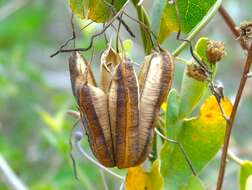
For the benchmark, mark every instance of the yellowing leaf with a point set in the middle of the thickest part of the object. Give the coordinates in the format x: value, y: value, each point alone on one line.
x: 201, y: 138
x: 138, y: 179
x: 210, y: 112
x: 78, y: 7
x: 246, y: 175
x: 95, y: 10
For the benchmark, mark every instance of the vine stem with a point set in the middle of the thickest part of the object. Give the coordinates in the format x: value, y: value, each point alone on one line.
x: 232, y: 26
x: 230, y: 122
x: 234, y: 158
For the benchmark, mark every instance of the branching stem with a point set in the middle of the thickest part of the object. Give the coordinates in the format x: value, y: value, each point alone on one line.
x: 232, y: 118
x: 232, y: 26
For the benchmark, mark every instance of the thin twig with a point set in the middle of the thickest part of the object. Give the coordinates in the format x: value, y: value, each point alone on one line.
x: 113, y: 10
x: 229, y: 21
x: 84, y: 154
x: 104, y: 180
x: 11, y: 180
x: 94, y: 36
x: 232, y: 26
x: 122, y: 185
x: 69, y: 40
x: 234, y: 158
x: 232, y: 119
x: 77, y: 143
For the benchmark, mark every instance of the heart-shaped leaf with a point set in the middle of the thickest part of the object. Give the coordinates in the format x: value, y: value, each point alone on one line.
x: 201, y: 137
x: 191, y: 12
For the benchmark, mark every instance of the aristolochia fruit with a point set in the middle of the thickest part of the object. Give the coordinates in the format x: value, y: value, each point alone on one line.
x: 121, y: 114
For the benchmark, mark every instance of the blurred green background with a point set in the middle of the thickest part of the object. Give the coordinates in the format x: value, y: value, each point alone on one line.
x: 35, y: 93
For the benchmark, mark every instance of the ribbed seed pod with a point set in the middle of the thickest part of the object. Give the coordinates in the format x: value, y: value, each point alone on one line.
x: 80, y: 73
x: 124, y: 114
x: 109, y: 61
x: 155, y: 83
x: 93, y: 103
x: 120, y: 118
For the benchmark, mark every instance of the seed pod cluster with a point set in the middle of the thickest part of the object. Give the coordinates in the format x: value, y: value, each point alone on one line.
x: 121, y: 113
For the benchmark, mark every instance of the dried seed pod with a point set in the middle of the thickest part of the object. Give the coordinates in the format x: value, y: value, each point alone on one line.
x: 155, y: 80
x: 109, y: 61
x: 80, y: 73
x: 215, y: 51
x: 124, y: 114
x: 196, y: 72
x: 93, y: 104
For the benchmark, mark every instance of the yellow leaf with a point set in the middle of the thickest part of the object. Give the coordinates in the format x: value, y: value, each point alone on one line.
x: 138, y: 179
x: 164, y: 106
x: 210, y: 112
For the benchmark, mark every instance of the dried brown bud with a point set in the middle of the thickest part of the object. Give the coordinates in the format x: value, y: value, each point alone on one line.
x: 245, y: 30
x: 196, y: 72
x: 215, y: 51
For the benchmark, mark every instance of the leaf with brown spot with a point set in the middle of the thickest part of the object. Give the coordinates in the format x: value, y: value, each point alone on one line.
x: 201, y: 137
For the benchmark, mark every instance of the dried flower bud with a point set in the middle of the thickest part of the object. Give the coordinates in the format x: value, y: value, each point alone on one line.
x: 196, y: 72
x: 245, y: 30
x: 215, y: 51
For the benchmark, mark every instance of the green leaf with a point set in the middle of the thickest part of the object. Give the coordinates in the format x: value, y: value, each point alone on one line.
x: 201, y: 137
x: 156, y: 16
x: 194, y: 183
x: 193, y: 90
x: 191, y: 12
x: 95, y: 10
x: 173, y: 124
x: 246, y: 175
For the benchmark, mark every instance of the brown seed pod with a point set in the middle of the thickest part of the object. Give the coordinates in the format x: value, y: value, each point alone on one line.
x: 124, y: 114
x: 196, y: 72
x: 155, y: 79
x: 120, y: 118
x: 80, y: 72
x: 93, y: 104
x: 109, y: 61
